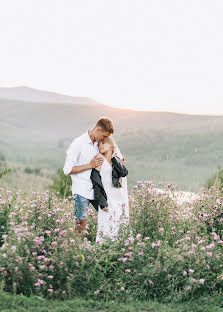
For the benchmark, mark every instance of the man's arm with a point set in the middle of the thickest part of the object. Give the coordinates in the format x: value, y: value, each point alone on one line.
x: 95, y: 162
x: 73, y: 153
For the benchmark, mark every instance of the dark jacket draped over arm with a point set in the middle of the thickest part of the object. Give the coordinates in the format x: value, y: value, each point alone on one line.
x: 99, y: 192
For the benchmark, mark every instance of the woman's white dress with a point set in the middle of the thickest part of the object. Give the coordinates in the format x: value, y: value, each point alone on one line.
x: 118, y: 209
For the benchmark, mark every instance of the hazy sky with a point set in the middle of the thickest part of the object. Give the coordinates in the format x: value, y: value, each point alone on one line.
x: 142, y: 54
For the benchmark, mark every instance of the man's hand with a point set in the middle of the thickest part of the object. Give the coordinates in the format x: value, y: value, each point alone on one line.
x: 96, y: 161
x: 123, y: 162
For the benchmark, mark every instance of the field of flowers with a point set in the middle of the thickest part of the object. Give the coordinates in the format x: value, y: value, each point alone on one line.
x: 169, y: 252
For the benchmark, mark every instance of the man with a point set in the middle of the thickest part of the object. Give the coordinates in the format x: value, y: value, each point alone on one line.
x: 82, y: 156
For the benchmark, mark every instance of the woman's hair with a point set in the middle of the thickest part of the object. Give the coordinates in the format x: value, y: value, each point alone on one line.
x: 111, y: 141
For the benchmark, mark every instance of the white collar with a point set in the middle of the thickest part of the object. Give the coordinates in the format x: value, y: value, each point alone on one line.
x: 89, y: 139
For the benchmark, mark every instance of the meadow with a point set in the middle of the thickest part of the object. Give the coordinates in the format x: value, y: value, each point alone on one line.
x: 169, y: 254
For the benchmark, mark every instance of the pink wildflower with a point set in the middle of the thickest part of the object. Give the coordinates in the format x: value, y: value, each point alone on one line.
x: 13, y: 248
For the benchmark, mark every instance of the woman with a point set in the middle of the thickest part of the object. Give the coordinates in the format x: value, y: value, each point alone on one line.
x: 110, y: 190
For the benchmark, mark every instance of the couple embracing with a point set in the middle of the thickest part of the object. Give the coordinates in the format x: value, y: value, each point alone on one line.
x: 98, y: 174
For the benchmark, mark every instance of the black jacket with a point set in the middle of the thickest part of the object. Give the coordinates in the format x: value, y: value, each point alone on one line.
x: 100, y: 196
x: 118, y: 171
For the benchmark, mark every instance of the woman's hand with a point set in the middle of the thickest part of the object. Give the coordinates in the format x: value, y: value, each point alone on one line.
x: 105, y: 208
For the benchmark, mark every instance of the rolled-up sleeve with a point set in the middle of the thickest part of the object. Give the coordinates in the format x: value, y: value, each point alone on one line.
x: 73, y: 153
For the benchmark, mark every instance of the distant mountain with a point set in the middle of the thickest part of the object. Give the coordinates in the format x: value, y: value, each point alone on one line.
x: 27, y: 94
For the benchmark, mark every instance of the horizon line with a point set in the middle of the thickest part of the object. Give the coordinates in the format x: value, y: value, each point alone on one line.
x: 118, y: 107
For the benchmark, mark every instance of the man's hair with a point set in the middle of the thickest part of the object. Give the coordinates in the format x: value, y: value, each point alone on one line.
x: 106, y: 124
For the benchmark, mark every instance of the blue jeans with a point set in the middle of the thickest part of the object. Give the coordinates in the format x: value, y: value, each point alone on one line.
x: 81, y: 205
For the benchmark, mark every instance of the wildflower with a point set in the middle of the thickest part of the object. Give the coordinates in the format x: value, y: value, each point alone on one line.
x: 96, y: 292
x: 127, y: 271
x: 201, y: 241
x: 13, y: 248
x: 138, y: 236
x: 42, y: 267
x: 201, y: 281
x: 122, y: 289
x: 131, y: 239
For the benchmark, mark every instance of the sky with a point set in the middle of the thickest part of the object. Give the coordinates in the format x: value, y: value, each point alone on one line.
x: 158, y: 55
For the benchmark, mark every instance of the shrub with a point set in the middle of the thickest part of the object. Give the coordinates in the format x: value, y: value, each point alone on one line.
x: 36, y: 171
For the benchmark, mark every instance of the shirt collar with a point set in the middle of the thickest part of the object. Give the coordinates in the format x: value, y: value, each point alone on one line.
x: 89, y: 139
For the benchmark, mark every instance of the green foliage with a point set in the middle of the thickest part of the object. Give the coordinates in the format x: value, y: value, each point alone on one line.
x: 20, y: 303
x: 216, y: 179
x: 2, y: 158
x: 36, y: 171
x: 61, y: 184
x: 3, y: 166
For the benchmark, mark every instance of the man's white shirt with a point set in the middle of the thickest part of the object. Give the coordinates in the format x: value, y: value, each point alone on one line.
x: 81, y: 152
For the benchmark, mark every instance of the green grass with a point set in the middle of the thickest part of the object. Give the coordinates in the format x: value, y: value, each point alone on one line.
x: 21, y: 303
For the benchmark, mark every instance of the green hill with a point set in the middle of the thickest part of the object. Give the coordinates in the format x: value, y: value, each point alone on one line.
x: 178, y: 148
